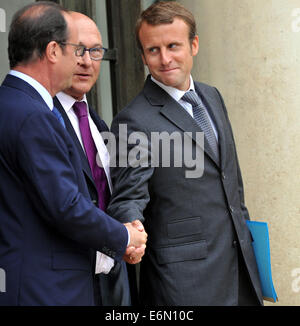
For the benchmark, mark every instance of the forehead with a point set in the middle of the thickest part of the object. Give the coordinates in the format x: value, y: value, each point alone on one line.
x: 178, y: 30
x: 88, y: 32
x: 72, y: 28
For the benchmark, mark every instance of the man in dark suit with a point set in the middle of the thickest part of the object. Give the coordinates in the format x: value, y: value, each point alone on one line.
x: 199, y: 250
x: 49, y: 228
x: 112, y: 277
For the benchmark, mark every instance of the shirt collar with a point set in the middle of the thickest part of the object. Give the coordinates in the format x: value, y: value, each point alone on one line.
x: 172, y: 91
x: 68, y: 101
x: 36, y: 85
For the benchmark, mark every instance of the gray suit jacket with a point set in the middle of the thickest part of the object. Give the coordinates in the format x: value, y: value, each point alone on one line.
x: 194, y: 224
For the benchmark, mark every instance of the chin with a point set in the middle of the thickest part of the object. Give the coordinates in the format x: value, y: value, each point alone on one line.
x: 81, y: 89
x: 170, y: 84
x: 78, y: 96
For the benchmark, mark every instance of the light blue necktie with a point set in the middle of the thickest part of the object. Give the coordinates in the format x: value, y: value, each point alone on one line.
x: 58, y: 116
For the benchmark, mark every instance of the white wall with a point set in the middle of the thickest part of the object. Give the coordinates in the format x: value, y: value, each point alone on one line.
x: 250, y: 50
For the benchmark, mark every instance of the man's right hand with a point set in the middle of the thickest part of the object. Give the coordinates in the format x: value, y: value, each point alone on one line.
x: 138, y: 237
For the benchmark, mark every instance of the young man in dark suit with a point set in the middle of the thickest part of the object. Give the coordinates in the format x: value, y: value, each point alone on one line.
x: 199, y: 250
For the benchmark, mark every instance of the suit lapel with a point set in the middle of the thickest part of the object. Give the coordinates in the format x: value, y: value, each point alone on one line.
x: 175, y: 113
x: 71, y: 131
x: 212, y: 104
x: 100, y: 124
x: 102, y: 127
x: 179, y: 117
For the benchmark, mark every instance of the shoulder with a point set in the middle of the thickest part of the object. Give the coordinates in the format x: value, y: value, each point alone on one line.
x: 19, y: 106
x: 205, y: 87
x: 137, y: 115
x: 147, y: 102
x: 208, y: 90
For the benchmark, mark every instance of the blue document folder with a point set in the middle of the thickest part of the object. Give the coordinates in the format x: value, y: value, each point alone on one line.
x: 261, y: 247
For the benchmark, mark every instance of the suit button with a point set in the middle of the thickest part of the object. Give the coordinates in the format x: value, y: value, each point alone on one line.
x: 231, y: 208
x: 223, y: 176
x: 234, y: 243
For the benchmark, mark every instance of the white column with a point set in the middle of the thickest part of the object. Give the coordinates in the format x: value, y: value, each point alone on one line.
x: 250, y: 50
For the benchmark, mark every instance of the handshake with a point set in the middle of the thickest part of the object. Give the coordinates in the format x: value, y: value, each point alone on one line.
x: 137, y: 245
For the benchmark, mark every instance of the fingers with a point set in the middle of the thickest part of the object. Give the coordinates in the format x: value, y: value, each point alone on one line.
x: 138, y: 224
x: 137, y: 245
x: 129, y: 250
x: 134, y: 255
x: 137, y: 238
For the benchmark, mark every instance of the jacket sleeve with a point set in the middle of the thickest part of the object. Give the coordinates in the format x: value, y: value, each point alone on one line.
x: 44, y: 158
x: 132, y: 171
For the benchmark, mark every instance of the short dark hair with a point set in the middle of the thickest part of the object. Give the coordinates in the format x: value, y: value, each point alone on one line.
x: 31, y: 30
x: 164, y: 12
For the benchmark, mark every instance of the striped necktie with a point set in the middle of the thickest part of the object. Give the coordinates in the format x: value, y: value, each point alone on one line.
x: 202, y: 119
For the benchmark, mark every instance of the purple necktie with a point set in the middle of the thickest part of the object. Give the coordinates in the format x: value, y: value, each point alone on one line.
x: 99, y: 176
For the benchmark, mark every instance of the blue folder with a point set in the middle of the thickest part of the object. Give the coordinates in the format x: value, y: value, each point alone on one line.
x: 261, y: 247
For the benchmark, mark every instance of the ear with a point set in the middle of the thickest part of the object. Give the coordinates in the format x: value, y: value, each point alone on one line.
x: 53, y: 51
x: 195, y: 45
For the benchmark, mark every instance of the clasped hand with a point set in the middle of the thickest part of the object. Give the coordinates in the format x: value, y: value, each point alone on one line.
x: 138, y: 238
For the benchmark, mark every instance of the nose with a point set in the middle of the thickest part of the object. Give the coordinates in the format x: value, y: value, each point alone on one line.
x: 165, y: 57
x: 86, y: 59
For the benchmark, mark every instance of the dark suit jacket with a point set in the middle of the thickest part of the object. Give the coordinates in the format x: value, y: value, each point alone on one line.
x: 49, y: 228
x: 114, y: 286
x: 194, y: 224
x: 101, y: 125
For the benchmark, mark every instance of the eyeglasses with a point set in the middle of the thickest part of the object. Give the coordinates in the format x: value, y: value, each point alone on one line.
x: 96, y: 53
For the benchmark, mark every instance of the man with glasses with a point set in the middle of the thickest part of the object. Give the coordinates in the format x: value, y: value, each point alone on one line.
x: 96, y: 53
x: 112, y: 277
x: 49, y: 228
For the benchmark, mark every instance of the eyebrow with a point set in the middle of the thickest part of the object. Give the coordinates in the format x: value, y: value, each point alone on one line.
x: 98, y: 45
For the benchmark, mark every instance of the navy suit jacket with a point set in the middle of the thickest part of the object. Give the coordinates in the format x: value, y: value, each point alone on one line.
x: 49, y: 228
x: 114, y: 286
x: 101, y: 126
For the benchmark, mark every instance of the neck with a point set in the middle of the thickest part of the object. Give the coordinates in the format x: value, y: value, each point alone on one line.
x: 39, y: 72
x: 75, y: 95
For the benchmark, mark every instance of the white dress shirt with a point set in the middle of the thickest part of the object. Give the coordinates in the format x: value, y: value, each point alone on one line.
x: 103, y: 263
